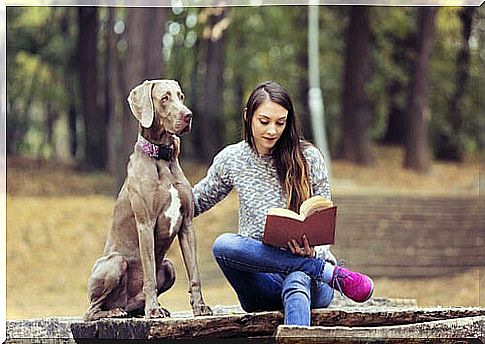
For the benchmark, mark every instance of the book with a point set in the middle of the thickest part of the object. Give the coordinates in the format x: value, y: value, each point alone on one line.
x: 316, y: 219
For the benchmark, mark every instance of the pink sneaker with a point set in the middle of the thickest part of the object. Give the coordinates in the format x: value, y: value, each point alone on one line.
x: 356, y: 286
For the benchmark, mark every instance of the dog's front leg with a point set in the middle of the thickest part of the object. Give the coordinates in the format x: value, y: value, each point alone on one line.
x: 188, y: 245
x: 145, y: 225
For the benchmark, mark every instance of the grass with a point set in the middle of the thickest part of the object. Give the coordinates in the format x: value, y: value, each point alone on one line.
x: 57, y: 221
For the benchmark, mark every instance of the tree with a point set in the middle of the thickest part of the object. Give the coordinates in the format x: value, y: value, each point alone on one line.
x: 144, y: 31
x: 69, y: 81
x: 213, y: 84
x: 417, y: 155
x: 450, y: 144
x: 355, y: 107
x: 94, y: 120
x: 401, y: 39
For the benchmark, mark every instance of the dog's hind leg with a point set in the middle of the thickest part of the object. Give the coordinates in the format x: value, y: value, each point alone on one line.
x: 165, y: 276
x: 107, y: 288
x: 165, y: 281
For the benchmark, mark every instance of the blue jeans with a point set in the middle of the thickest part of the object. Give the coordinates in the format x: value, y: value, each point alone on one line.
x: 268, y: 278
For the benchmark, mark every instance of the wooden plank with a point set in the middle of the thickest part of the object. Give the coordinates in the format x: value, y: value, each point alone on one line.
x: 376, y: 316
x: 43, y: 328
x: 228, y: 321
x: 232, y: 321
x: 469, y: 327
x: 265, y: 323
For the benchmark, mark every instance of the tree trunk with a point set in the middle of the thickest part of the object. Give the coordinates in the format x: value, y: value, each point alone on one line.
x: 302, y: 57
x: 417, y: 154
x: 450, y: 146
x: 110, y: 98
x: 211, y: 126
x: 69, y: 83
x: 94, y: 121
x: 144, y: 60
x: 396, y: 88
x: 354, y: 142
x: 396, y: 122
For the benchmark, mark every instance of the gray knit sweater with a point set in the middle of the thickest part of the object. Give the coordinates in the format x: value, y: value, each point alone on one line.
x: 255, y: 180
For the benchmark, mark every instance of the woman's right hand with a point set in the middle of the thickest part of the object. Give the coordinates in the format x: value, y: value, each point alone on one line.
x: 306, y: 251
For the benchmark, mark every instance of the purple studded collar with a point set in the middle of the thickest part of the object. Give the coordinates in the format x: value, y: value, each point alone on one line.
x: 154, y: 150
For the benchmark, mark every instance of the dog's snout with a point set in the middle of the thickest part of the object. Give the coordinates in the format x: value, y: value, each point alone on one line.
x: 188, y: 116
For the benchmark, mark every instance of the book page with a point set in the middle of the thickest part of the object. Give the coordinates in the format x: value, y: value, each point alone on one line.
x: 313, y: 204
x: 285, y: 213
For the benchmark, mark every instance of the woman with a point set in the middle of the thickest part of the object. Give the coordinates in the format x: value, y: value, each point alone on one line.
x: 273, y: 167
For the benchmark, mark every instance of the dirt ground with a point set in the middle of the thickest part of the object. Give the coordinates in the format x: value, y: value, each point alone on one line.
x: 57, y: 220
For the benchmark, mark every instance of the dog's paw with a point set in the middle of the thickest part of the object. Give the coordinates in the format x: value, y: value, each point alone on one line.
x: 201, y: 310
x: 117, y: 313
x: 158, y: 312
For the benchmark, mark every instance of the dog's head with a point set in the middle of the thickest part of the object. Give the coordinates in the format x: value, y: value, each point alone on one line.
x: 161, y: 102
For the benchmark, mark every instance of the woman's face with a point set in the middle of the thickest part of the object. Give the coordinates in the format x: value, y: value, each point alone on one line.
x: 268, y: 123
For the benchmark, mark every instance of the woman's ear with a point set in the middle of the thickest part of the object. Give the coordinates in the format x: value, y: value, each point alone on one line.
x: 245, y: 113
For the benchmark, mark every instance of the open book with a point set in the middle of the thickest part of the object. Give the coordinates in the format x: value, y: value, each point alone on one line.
x: 316, y: 220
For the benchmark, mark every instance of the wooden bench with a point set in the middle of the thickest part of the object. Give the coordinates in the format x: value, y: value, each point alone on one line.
x: 379, y: 318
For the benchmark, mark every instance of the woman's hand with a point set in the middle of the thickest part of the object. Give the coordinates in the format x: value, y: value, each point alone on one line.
x: 305, y: 251
x: 176, y: 146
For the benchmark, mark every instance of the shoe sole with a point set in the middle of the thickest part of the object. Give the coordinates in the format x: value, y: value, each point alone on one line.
x: 371, y: 291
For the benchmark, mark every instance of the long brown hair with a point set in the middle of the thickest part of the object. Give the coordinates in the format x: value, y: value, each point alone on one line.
x: 290, y: 163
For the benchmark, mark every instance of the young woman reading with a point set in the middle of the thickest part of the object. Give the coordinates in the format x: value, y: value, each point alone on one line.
x: 274, y: 167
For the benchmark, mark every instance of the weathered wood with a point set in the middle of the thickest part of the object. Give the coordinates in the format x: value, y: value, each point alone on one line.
x: 236, y: 325
x: 376, y: 316
x: 461, y: 328
x: 46, y: 328
x: 228, y: 321
x: 265, y: 323
x: 232, y: 321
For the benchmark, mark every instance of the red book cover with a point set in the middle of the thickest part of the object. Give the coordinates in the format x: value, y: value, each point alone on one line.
x: 319, y: 228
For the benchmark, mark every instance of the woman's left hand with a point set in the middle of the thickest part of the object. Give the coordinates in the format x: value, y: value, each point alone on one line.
x: 305, y: 251
x: 176, y: 146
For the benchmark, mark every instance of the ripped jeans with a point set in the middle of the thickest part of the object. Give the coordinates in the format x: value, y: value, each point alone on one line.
x: 266, y: 278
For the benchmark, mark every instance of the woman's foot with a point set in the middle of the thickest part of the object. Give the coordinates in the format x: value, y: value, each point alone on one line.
x: 356, y: 286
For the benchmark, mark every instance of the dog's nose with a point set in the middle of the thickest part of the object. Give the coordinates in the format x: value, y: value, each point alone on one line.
x: 188, y: 116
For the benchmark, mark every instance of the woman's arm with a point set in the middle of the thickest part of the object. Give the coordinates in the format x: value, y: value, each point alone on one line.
x: 318, y: 173
x: 214, y: 187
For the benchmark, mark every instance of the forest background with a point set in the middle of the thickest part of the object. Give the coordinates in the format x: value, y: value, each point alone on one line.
x: 400, y: 88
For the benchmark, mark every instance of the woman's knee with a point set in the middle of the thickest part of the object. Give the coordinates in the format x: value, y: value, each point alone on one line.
x: 296, y: 283
x: 223, y: 244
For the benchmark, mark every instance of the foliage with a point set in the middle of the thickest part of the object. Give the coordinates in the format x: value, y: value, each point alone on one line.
x: 265, y: 42
x: 38, y: 54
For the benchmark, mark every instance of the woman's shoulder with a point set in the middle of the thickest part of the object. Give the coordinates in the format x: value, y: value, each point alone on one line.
x: 238, y: 147
x: 231, y: 151
x: 311, y: 152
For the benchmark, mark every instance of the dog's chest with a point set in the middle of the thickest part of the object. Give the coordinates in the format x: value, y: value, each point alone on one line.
x: 176, y: 199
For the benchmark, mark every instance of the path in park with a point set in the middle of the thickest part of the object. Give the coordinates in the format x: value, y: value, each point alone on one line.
x: 410, y: 236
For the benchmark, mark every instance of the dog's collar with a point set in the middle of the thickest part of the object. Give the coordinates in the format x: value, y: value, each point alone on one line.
x: 154, y: 150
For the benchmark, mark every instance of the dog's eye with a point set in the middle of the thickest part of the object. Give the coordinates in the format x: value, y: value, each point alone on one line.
x: 165, y: 98
x: 182, y: 97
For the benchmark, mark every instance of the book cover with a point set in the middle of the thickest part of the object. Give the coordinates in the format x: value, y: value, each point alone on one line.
x: 316, y: 220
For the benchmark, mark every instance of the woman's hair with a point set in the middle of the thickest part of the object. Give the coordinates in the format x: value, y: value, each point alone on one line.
x: 290, y: 163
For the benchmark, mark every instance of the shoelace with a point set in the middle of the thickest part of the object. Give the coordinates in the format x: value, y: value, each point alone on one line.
x: 339, y: 274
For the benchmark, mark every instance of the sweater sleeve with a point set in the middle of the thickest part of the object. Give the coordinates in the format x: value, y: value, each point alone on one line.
x: 318, y: 173
x: 215, y: 186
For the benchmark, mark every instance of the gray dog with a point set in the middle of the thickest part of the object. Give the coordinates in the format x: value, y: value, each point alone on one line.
x: 154, y: 206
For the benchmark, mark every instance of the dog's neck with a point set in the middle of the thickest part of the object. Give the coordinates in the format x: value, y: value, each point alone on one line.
x: 157, y: 144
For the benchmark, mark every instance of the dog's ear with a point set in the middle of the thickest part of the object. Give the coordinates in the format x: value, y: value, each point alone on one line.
x: 141, y: 103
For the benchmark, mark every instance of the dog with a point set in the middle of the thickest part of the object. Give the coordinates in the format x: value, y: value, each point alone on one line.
x: 154, y: 206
